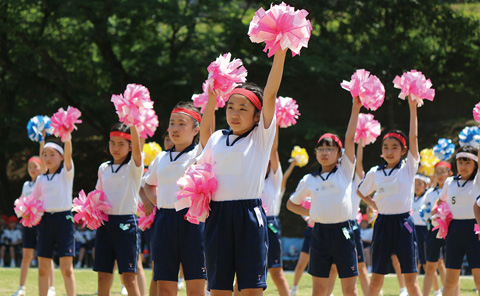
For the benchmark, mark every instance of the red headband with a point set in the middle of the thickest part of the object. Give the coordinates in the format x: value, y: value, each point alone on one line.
x: 35, y: 159
x: 193, y: 114
x: 444, y: 164
x: 396, y: 136
x: 333, y: 137
x: 121, y: 134
x: 250, y: 95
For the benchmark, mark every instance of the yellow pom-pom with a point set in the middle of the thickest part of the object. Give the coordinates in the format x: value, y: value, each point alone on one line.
x: 300, y: 155
x: 151, y: 151
x: 428, y: 162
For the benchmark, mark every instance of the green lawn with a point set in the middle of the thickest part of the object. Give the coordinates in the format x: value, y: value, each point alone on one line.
x: 87, y: 283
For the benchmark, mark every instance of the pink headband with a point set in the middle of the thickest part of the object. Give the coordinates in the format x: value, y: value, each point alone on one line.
x: 121, y: 134
x: 398, y: 137
x: 444, y: 164
x: 35, y: 159
x: 250, y: 95
x: 333, y: 137
x: 191, y: 113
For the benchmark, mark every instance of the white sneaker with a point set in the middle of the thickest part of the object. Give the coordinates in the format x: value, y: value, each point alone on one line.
x: 293, y: 291
x: 207, y: 293
x: 51, y: 291
x: 2, y: 264
x: 12, y: 263
x: 124, y: 290
x: 78, y: 265
x: 181, y: 285
x: 403, y: 292
x: 437, y: 293
x: 20, y: 292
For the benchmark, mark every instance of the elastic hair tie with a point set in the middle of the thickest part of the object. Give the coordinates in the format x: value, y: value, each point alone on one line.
x: 35, y: 159
x: 466, y: 155
x: 250, y: 95
x: 443, y: 164
x: 396, y: 136
x: 193, y: 114
x: 333, y: 137
x: 54, y: 146
x: 121, y: 134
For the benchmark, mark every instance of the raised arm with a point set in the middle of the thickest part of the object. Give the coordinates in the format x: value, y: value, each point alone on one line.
x: 274, y: 159
x: 136, y: 146
x: 67, y: 156
x: 287, y: 173
x: 271, y: 89
x: 359, y: 164
x: 413, y: 133
x: 352, y: 126
x: 207, y: 126
x: 43, y: 168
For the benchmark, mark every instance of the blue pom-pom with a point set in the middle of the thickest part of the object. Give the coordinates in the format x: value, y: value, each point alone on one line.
x: 470, y: 135
x: 444, y: 149
x: 36, y: 125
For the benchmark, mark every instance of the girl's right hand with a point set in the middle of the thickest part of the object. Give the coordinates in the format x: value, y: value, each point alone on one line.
x: 373, y: 205
x: 148, y: 206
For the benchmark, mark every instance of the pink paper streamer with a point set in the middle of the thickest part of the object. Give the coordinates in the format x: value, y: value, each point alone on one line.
x: 30, y: 208
x: 368, y: 129
x: 441, y: 220
x: 415, y: 85
x: 280, y: 27
x: 63, y: 122
x: 286, y: 110
x: 145, y: 221
x: 368, y: 87
x: 224, y: 75
x: 147, y: 123
x: 91, y: 209
x: 476, y: 112
x: 198, y: 187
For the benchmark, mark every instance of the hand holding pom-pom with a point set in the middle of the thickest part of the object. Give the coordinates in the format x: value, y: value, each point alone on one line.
x: 286, y: 111
x: 151, y: 151
x: 368, y: 129
x: 367, y: 87
x: 224, y: 75
x: 30, y: 208
x: 63, y: 122
x: 37, y: 126
x: 201, y: 100
x: 441, y: 220
x: 444, y: 149
x: 145, y: 221
x: 415, y: 85
x: 280, y: 27
x: 300, y: 155
x: 91, y: 209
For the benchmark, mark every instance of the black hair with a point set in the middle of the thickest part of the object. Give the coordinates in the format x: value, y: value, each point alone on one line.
x: 120, y: 127
x: 327, y: 141
x: 471, y: 150
x: 257, y: 90
x: 191, y: 107
x: 398, y: 132
x: 58, y: 142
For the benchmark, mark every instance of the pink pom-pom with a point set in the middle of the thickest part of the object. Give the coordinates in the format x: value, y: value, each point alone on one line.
x: 476, y: 112
x: 224, y: 75
x: 30, y: 208
x: 129, y: 106
x: 368, y: 129
x: 63, y: 122
x: 286, y: 111
x: 476, y: 228
x: 201, y: 100
x: 198, y: 187
x: 307, y: 203
x: 280, y: 27
x: 145, y: 221
x: 359, y: 216
x: 368, y: 87
x: 91, y: 209
x: 441, y: 220
x: 147, y: 123
x: 415, y: 85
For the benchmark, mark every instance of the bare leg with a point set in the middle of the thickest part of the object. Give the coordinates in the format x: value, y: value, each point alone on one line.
x: 66, y: 267
x: 195, y: 287
x: 411, y: 282
x: 166, y: 288
x: 105, y: 281
x: 363, y: 277
x: 451, y: 281
x: 130, y: 282
x: 430, y: 275
x: 141, y: 282
x: 376, y: 284
x: 26, y: 259
x: 302, y: 263
x: 349, y: 286
x: 278, y: 277
x: 44, y: 270
x: 398, y: 271
x: 331, y: 279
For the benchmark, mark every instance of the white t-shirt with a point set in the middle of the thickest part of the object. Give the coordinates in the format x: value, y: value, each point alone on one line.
x: 366, y: 234
x: 330, y: 192
x: 121, y: 184
x: 56, y: 190
x: 166, y: 169
x: 240, y: 167
x: 11, y: 236
x: 355, y: 198
x: 431, y: 197
x: 461, y: 196
x: 394, y: 188
x: 272, y: 195
x: 27, y: 188
x: 418, y: 202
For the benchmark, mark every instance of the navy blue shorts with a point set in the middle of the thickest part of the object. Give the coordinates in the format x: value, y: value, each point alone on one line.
x: 55, y: 232
x: 306, y: 240
x: 421, y: 232
x: 236, y: 242
x: 274, y: 242
x: 394, y: 234
x: 333, y: 244
x: 117, y: 239
x: 152, y: 232
x: 460, y: 241
x: 434, y: 245
x: 175, y: 241
x: 29, y: 237
x: 358, y: 241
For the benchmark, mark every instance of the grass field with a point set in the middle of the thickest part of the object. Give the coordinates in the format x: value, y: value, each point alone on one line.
x: 87, y: 283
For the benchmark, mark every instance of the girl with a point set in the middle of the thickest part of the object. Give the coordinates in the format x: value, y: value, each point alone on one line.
x: 174, y: 239
x: 117, y: 238
x: 56, y: 230
x: 394, y: 230
x: 236, y: 237
x: 29, y: 234
x: 460, y: 192
x: 434, y: 244
x: 421, y: 185
x: 332, y: 240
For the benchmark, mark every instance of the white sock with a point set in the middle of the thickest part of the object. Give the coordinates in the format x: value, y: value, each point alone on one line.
x: 294, y: 288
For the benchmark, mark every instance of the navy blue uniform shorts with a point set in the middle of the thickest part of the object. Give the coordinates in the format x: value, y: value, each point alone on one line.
x: 358, y: 241
x: 274, y: 242
x: 236, y: 242
x: 55, y: 232
x: 333, y: 244
x: 434, y: 245
x: 29, y: 237
x: 394, y: 234
x: 117, y: 239
x: 306, y: 241
x: 461, y: 240
x: 421, y: 232
x: 175, y: 241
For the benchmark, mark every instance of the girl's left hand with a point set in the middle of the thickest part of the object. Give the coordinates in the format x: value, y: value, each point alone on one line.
x: 412, y: 103
x: 357, y: 102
